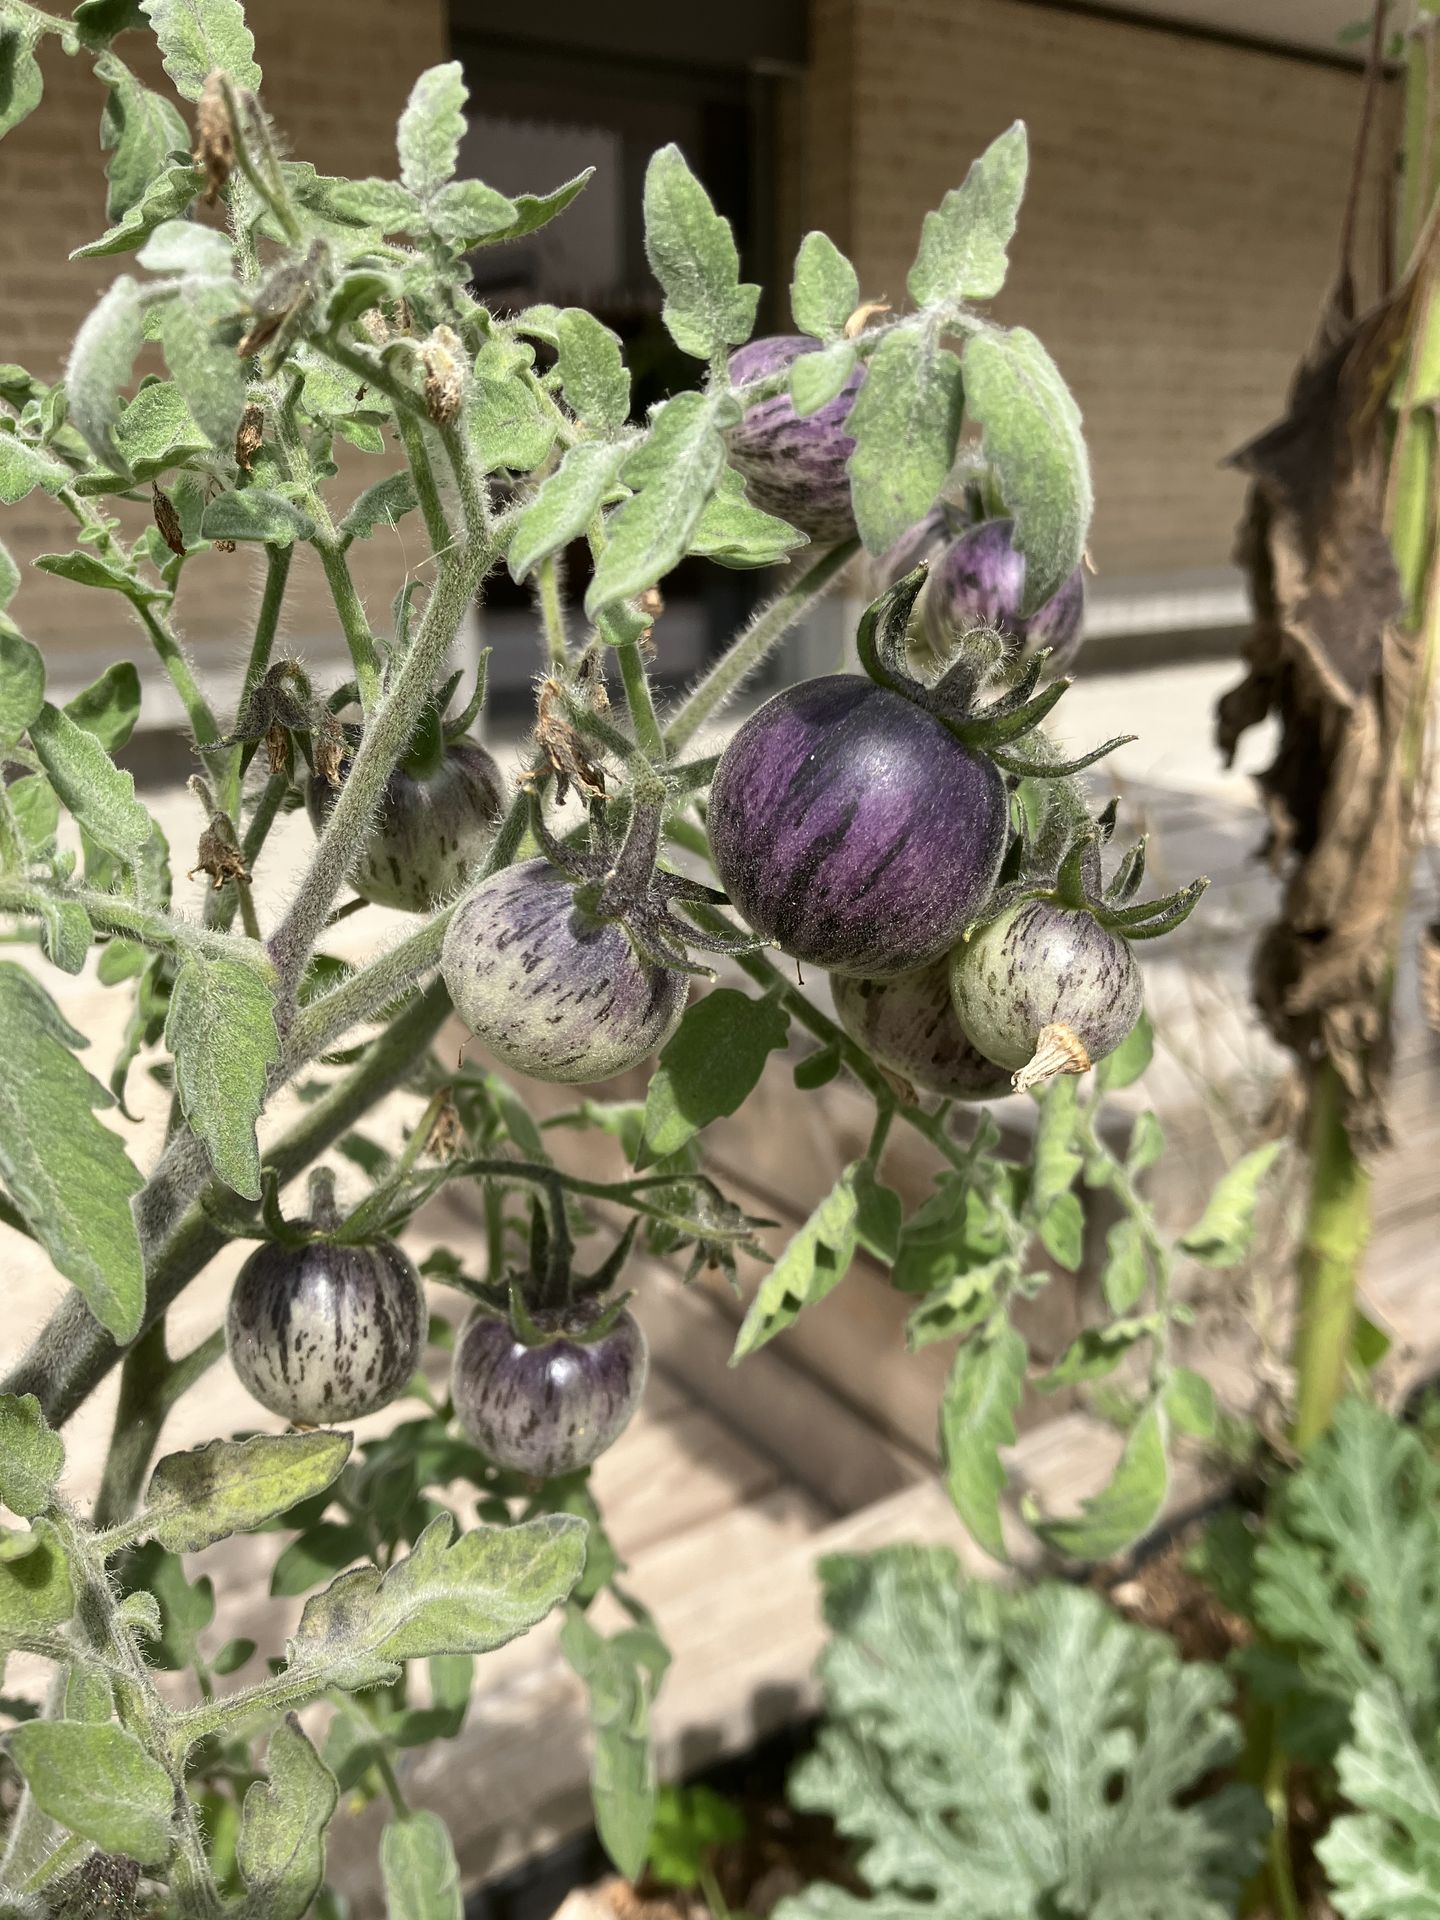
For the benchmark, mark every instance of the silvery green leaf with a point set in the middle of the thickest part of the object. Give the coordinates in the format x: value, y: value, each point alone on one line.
x: 963, y: 245
x: 709, y: 1067
x: 1125, y: 1510
x: 1382, y: 1855
x: 383, y: 205
x: 97, y: 793
x: 101, y: 362
x: 22, y: 686
x: 234, y: 1486
x: 9, y: 578
x: 462, y: 1597
x: 85, y: 569
x: 1223, y: 1234
x: 567, y: 501
x: 536, y: 210
x: 207, y: 369
x: 66, y: 934
x: 1190, y: 1403
x: 812, y: 1265
x: 467, y: 212
x: 69, y: 1175
x: 31, y: 1456
x: 221, y: 1031
x: 21, y: 84
x: 431, y: 129
x: 166, y: 198
x: 1031, y: 424
x: 197, y: 37
x: 280, y: 1850
x: 622, y: 1674
x: 380, y: 505
x: 734, y: 533
x: 109, y: 706
x: 825, y: 290
x: 140, y: 130
x: 673, y: 473
x: 37, y: 1593
x: 692, y: 254
x: 23, y: 467
x: 506, y: 422
x: 157, y: 430
x: 816, y: 378
x: 977, y: 1417
x: 253, y: 513
x: 184, y: 246
x: 1127, y: 1266
x: 592, y: 372
x: 905, y: 421
x: 99, y: 1782
x: 419, y: 1869
x: 1096, y: 1352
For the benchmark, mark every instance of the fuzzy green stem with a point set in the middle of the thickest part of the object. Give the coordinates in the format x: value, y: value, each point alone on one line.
x: 364, y: 654
x: 640, y: 701
x: 552, y: 612
x: 432, y: 509
x: 1337, y: 1228
x: 763, y: 635
x: 267, y: 625
x: 112, y: 914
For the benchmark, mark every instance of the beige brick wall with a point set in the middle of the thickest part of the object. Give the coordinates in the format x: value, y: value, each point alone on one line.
x: 1178, y: 235
x: 337, y: 73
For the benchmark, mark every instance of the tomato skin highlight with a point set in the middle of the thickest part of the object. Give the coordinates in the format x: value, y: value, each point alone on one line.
x: 909, y: 1026
x: 548, y: 989
x: 322, y: 1332
x: 853, y: 830
x: 793, y: 467
x: 549, y: 1409
x: 1042, y: 965
x: 431, y: 834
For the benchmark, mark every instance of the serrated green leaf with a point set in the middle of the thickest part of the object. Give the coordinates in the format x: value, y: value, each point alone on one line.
x: 90, y: 785
x: 23, y: 467
x: 1128, y: 1507
x: 198, y: 36
x: 1383, y: 1854
x: 36, y: 1591
x: 963, y: 244
x: 1096, y: 1352
x: 83, y: 569
x: 88, y: 1696
x: 381, y: 505
x: 467, y: 213
x: 960, y: 1304
x: 141, y: 131
x: 592, y: 372
x: 166, y: 198
x: 622, y: 1675
x: 66, y: 934
x: 1031, y: 425
x: 825, y: 290
x: 431, y: 129
x: 977, y: 1418
x: 733, y: 533
x: 1147, y: 1144
x: 158, y: 430
x: 1003, y: 1755
x: 233, y: 1486
x: 101, y: 362
x: 1190, y: 1403
x: 183, y: 1609
x: 207, y: 369
x: 383, y: 205
x: 1056, y: 1160
x: 36, y: 810
x: 22, y: 87
x: 812, y: 1265
x: 99, y: 1782
x: 469, y: 1597
x: 1127, y: 1268
x: 536, y: 210
x: 505, y: 421
x: 905, y: 422
x: 255, y: 514
x: 692, y: 254
x: 1223, y: 1234
x: 109, y: 706
x: 1129, y: 1060
x: 673, y: 473
x: 70, y: 1176
x: 708, y: 1068
x: 419, y: 1869
x: 31, y: 1456
x: 1062, y: 1231
x: 816, y: 378
x: 22, y: 687
x: 585, y: 480
x: 280, y: 1849
x: 221, y: 1030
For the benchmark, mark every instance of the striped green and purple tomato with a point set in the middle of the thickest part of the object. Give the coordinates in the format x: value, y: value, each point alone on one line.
x: 1039, y: 966
x: 550, y: 989
x: 322, y: 1332
x: 431, y: 832
x: 852, y: 829
x: 909, y: 1025
x: 553, y: 1406
x: 792, y: 466
x: 978, y: 579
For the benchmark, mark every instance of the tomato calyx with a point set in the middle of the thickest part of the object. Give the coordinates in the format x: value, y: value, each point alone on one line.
x: 993, y: 727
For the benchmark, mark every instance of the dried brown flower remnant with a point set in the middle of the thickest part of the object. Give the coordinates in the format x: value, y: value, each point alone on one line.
x: 562, y: 751
x: 331, y: 750
x: 218, y: 854
x: 444, y: 1138
x: 167, y: 520
x: 444, y: 360
x: 282, y: 300
x: 225, y: 546
x: 248, y: 436
x: 214, y: 138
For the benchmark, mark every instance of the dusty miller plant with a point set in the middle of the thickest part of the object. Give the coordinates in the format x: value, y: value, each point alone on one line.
x: 325, y: 309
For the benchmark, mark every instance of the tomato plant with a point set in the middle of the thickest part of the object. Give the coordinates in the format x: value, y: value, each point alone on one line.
x: 900, y: 826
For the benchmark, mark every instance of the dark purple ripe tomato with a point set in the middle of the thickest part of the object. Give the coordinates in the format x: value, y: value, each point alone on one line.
x: 851, y: 828
x: 548, y: 988
x: 795, y: 467
x: 431, y: 833
x: 978, y: 578
x: 548, y: 1409
x: 909, y: 1025
x: 322, y: 1332
x: 1043, y: 965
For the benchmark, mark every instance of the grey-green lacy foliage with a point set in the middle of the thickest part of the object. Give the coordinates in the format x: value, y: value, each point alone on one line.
x: 997, y: 1755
